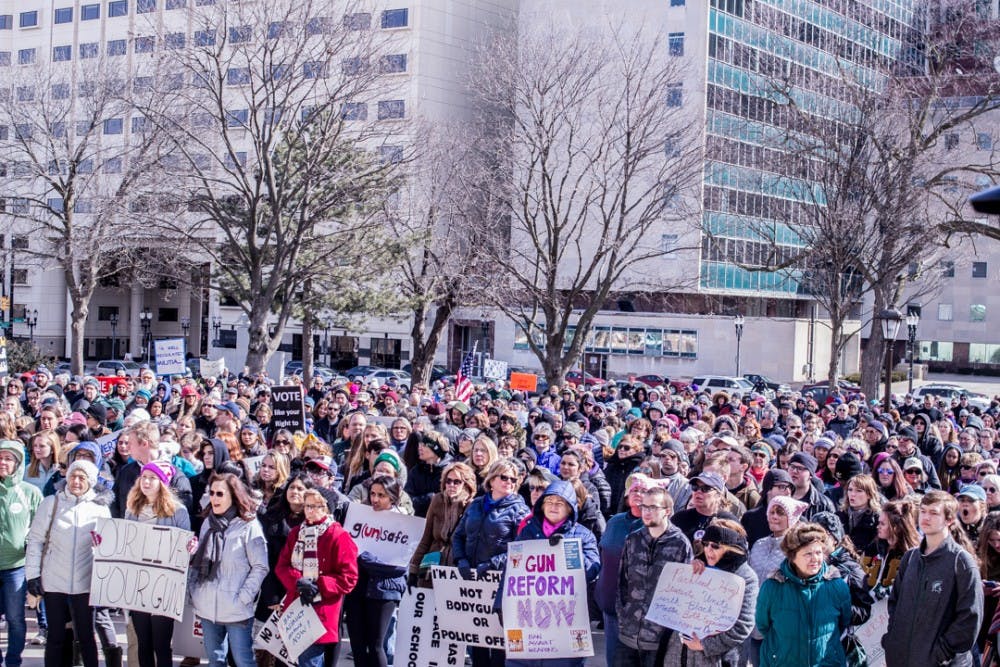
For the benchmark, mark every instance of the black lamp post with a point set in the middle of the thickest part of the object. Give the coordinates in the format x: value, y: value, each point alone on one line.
x: 146, y: 320
x: 891, y: 320
x: 186, y: 325
x: 912, y: 320
x: 114, y: 335
x: 31, y: 319
x: 738, y: 322
x: 216, y: 326
x: 327, y: 323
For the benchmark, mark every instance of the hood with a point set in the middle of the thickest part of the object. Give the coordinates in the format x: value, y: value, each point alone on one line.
x: 17, y: 449
x: 220, y: 452
x: 87, y: 446
x: 925, y: 419
x: 952, y: 445
x: 167, y: 393
x: 558, y: 488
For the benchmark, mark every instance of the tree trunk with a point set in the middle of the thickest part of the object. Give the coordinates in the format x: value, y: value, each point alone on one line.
x: 77, y: 326
x: 873, y: 356
x: 308, y: 349
x: 422, y: 357
x: 258, y: 348
x: 836, y: 346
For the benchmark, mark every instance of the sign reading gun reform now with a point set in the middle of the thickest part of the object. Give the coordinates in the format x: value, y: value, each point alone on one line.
x: 140, y: 567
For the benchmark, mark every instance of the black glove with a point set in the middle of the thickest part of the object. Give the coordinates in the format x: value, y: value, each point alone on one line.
x: 411, y: 581
x: 307, y: 590
x: 465, y: 570
x: 555, y: 539
x: 35, y: 587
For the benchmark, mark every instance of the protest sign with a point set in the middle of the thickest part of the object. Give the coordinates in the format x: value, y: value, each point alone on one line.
x: 465, y: 608
x: 108, y: 382
x: 252, y: 465
x: 108, y: 443
x: 3, y: 356
x: 299, y: 626
x: 141, y: 567
x: 870, y: 633
x: 494, y: 369
x: 418, y: 638
x: 208, y: 368
x: 523, y: 381
x: 287, y: 407
x: 545, y: 601
x: 170, y: 356
x: 188, y: 634
x: 268, y: 639
x: 391, y: 536
x: 702, y: 604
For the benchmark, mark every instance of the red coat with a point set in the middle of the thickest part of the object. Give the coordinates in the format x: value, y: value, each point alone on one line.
x: 338, y: 573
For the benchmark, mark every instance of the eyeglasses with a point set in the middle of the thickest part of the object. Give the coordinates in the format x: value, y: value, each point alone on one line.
x: 452, y: 482
x: 507, y: 478
x: 989, y: 489
x: 315, y: 507
x: 833, y: 456
x: 965, y: 467
x: 714, y: 546
x: 541, y: 437
x: 217, y: 494
x: 797, y: 467
x: 281, y: 441
x: 651, y: 508
x: 537, y: 489
x: 886, y: 471
x: 912, y: 472
x: 554, y: 502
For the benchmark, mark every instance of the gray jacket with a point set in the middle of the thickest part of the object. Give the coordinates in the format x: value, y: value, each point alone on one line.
x: 231, y: 596
x: 180, y: 519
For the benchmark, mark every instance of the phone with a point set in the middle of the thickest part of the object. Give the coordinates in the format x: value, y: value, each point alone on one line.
x: 990, y: 584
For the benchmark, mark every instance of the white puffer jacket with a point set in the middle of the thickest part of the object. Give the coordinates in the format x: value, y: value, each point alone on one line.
x: 69, y: 557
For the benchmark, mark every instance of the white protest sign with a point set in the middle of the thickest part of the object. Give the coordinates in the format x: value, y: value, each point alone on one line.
x: 299, y: 627
x: 140, y: 567
x: 269, y: 639
x: 465, y: 608
x: 252, y: 466
x: 545, y: 601
x: 170, y: 356
x: 391, y: 536
x: 188, y: 634
x: 870, y: 634
x: 3, y: 356
x: 208, y: 368
x: 494, y: 369
x: 418, y: 638
x: 702, y: 604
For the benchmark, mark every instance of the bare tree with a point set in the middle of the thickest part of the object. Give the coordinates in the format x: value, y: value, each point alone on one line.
x: 596, y: 173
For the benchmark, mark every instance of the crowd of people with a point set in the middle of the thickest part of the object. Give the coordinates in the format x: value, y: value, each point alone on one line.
x: 825, y: 511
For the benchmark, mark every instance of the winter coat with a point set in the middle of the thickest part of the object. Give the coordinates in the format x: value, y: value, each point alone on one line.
x: 854, y: 576
x: 338, y: 574
x: 935, y: 608
x: 597, y: 479
x: 437, y: 534
x: 802, y: 619
x: 930, y: 469
x: 589, y: 516
x: 229, y: 598
x: 755, y: 523
x: 480, y: 541
x: 617, y: 471
x: 18, y: 503
x: 276, y: 522
x: 612, y: 543
x: 380, y: 580
x: 865, y: 528
x: 929, y: 446
x: 66, y: 561
x: 423, y: 482
x: 766, y: 556
x: 641, y: 563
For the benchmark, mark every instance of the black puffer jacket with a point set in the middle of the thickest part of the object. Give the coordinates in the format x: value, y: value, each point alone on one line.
x: 423, y: 482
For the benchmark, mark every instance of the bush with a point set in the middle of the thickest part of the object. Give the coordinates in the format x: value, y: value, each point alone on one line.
x: 25, y: 356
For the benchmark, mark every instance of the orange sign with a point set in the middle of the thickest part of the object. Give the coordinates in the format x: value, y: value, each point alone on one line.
x: 524, y: 381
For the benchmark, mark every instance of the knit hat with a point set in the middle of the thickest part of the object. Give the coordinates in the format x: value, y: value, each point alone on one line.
x: 189, y: 390
x: 823, y: 442
x: 393, y: 460
x: 848, y: 466
x: 804, y: 459
x: 88, y: 469
x: 908, y: 432
x: 794, y: 509
x: 460, y: 406
x: 143, y: 393
x: 724, y: 536
x: 831, y: 523
x: 775, y: 476
x: 98, y: 412
x: 161, y: 469
x: 676, y: 447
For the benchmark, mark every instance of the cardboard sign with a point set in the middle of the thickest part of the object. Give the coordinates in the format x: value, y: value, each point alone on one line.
x: 545, y: 601
x: 208, y: 368
x: 252, y: 465
x: 109, y: 382
x: 268, y: 639
x: 870, y: 634
x: 703, y: 604
x: 523, y: 381
x: 169, y: 356
x: 418, y: 638
x: 108, y: 443
x: 391, y: 536
x: 141, y: 567
x: 494, y: 369
x: 299, y: 627
x: 288, y: 409
x: 189, y: 638
x: 465, y: 608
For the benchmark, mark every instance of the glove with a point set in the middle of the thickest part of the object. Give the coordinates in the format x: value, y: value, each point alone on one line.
x: 555, y: 539
x: 465, y: 570
x: 35, y: 587
x: 411, y: 582
x: 307, y: 590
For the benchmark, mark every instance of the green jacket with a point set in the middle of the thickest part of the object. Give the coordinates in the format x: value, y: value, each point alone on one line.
x: 18, y: 502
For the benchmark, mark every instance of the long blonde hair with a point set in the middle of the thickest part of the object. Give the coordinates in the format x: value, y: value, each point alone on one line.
x: 166, y: 502
x: 54, y: 445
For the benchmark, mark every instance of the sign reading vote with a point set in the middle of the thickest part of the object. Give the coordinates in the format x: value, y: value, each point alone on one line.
x: 465, y: 608
x: 702, y: 604
x: 170, y: 356
x: 545, y: 601
x: 391, y: 536
x: 288, y: 409
x: 140, y: 567
x: 418, y: 637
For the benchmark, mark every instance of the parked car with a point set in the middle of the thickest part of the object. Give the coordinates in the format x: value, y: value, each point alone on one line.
x: 652, y: 380
x: 112, y: 366
x: 729, y: 383
x: 359, y: 372
x: 322, y: 370
x: 949, y: 392
x: 761, y: 382
x: 437, y: 371
x: 383, y: 375
x: 587, y: 379
x: 63, y: 367
x: 843, y: 384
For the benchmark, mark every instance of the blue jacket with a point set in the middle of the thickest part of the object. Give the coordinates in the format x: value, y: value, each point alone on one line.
x: 381, y: 581
x: 480, y: 540
x: 612, y: 544
x: 802, y: 619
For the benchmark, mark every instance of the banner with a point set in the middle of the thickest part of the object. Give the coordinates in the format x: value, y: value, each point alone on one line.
x: 523, y: 381
x: 418, y: 638
x: 494, y: 369
x: 140, y: 567
x: 208, y: 368
x: 870, y: 633
x: 702, y: 604
x: 299, y: 627
x: 391, y: 536
x: 108, y: 382
x: 545, y: 601
x: 170, y: 356
x: 465, y: 608
x: 288, y: 409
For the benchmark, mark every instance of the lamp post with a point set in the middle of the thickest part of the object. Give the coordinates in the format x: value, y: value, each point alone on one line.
x: 327, y: 323
x: 912, y: 320
x: 114, y: 335
x: 146, y: 320
x: 738, y: 322
x: 891, y: 320
x: 216, y: 325
x: 186, y: 325
x: 31, y: 319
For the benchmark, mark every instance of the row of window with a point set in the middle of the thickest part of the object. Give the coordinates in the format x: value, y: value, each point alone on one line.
x: 681, y: 343
x: 977, y: 312
x: 390, y: 18
x: 979, y: 353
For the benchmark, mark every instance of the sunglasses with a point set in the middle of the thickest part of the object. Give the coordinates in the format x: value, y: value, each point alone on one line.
x: 282, y: 441
x: 453, y: 482
x: 885, y: 471
x: 507, y: 478
x: 964, y: 467
x: 714, y: 546
x: 989, y: 489
x: 538, y: 489
x: 217, y: 494
x: 701, y: 488
x: 913, y: 472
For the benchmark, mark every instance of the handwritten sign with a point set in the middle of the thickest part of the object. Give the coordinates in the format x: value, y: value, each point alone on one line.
x: 208, y: 368
x: 268, y: 639
x: 870, y: 634
x: 299, y: 627
x: 140, y: 567
x: 545, y: 601
x: 523, y: 381
x: 391, y: 536
x: 702, y: 604
x: 252, y: 465
x: 419, y: 642
x: 494, y: 369
x: 170, y: 356
x: 287, y: 408
x: 465, y: 608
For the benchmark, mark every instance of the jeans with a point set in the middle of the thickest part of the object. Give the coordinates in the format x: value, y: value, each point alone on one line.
x: 14, y: 598
x: 610, y: 637
x: 318, y: 655
x: 64, y: 608
x: 219, y: 637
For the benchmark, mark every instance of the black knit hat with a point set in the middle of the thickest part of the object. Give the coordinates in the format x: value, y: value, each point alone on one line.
x: 831, y: 523
x: 724, y: 536
x: 848, y: 466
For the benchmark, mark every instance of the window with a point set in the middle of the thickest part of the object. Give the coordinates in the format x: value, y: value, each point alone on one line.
x: 352, y: 66
x: 947, y: 269
x: 278, y: 29
x: 104, y: 313
x: 112, y: 165
x: 29, y: 19
x: 238, y: 76
x: 944, y: 312
x: 393, y: 63
x: 145, y: 44
x: 240, y: 34
x: 675, y: 94
x: 936, y: 350
x: 55, y: 204
x: 113, y: 126
x: 89, y: 50
x: 26, y: 57
x: 62, y: 53
x: 315, y: 69
x: 6, y: 21
x: 64, y: 15
x: 85, y: 166
x: 395, y: 18
x: 675, y: 43
x: 240, y: 160
x: 117, y: 47
x: 358, y: 21
x: 139, y: 124
x: 25, y: 93
x: 237, y: 117
x: 390, y: 154
x: 83, y: 127
x: 319, y: 25
x: 174, y: 40
x: 951, y: 141
x: 979, y: 269
x: 390, y: 109
x: 142, y: 83
x: 117, y: 8
x: 4, y: 58
x: 977, y: 312
x: 19, y: 276
x: 145, y: 6
x: 676, y: 3
x: 83, y: 206
x: 204, y: 38
x: 60, y: 91
x: 166, y: 314
x: 354, y: 111
x: 278, y: 72
x: 176, y: 4
x: 984, y: 141
x: 20, y: 206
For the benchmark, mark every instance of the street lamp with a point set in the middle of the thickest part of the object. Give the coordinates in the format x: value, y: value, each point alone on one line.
x: 327, y: 323
x: 891, y: 320
x: 31, y: 319
x: 186, y: 325
x: 216, y: 325
x: 738, y: 323
x: 912, y: 320
x: 114, y: 335
x: 146, y: 320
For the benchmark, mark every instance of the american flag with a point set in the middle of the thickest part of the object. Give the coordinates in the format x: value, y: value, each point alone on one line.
x: 463, y: 385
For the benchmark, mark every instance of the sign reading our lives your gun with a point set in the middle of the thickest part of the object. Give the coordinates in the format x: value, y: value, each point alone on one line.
x: 140, y: 567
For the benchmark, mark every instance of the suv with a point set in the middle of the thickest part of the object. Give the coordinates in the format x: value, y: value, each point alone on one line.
x: 950, y: 392
x: 112, y: 366
x: 762, y: 382
x: 726, y: 382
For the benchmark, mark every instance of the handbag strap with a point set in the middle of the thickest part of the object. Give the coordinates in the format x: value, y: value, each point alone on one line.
x: 48, y: 532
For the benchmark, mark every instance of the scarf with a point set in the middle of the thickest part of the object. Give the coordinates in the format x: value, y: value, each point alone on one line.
x: 305, y: 557
x: 208, y: 557
x: 549, y: 528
